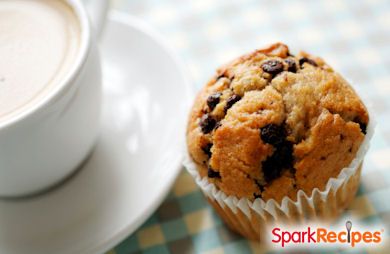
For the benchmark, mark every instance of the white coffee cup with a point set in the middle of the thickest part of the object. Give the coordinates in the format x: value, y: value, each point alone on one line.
x: 47, y: 141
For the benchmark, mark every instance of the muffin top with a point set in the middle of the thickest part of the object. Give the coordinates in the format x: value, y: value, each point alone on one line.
x: 271, y: 123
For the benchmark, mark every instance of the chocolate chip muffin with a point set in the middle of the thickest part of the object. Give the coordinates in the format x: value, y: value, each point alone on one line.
x: 271, y: 123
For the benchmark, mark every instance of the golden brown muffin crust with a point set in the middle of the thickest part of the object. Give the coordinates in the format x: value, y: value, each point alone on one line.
x: 270, y: 123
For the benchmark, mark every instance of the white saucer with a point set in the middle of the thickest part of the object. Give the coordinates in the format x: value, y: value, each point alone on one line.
x: 134, y: 164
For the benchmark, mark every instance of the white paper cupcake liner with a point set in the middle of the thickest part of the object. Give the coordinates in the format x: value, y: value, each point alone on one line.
x: 248, y: 217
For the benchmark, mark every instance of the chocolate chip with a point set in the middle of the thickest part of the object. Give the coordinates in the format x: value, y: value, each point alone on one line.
x: 272, y: 67
x: 207, y: 123
x: 271, y: 169
x: 212, y: 173
x: 363, y: 127
x: 231, y: 100
x: 207, y: 149
x: 307, y: 60
x: 285, y: 154
x: 292, y: 66
x: 213, y: 100
x: 273, y: 134
x: 282, y: 158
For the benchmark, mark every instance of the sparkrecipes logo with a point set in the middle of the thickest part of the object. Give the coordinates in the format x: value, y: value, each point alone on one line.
x: 322, y: 236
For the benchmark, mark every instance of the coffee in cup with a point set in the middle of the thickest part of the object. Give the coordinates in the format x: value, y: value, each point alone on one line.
x: 39, y: 43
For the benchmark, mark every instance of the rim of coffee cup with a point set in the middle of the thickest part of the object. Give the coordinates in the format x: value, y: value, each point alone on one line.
x: 60, y: 89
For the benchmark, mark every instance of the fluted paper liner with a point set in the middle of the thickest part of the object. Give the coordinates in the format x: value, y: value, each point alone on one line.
x: 249, y: 218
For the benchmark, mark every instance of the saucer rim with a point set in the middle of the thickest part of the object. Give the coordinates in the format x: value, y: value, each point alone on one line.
x: 135, y: 23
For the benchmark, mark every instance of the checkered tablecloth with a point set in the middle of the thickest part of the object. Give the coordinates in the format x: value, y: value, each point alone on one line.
x: 353, y: 36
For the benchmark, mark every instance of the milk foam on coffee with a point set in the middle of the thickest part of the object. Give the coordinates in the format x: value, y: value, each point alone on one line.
x: 39, y: 43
